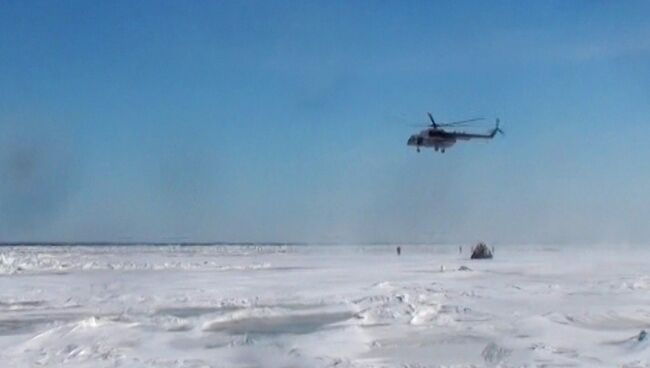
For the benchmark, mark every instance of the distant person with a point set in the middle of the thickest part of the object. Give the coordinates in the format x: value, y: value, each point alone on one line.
x: 460, y: 249
x: 399, y: 250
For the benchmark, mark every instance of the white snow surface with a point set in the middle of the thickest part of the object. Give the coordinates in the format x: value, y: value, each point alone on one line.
x: 323, y: 306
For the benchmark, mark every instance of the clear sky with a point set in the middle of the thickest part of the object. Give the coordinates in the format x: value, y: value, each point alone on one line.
x: 288, y: 121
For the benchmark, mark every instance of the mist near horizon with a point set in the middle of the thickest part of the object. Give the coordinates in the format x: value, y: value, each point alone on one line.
x: 288, y: 122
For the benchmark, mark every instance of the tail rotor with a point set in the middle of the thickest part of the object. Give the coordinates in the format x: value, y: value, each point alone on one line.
x: 497, y: 129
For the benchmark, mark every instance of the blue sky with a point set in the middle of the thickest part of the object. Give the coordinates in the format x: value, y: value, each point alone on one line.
x: 287, y: 121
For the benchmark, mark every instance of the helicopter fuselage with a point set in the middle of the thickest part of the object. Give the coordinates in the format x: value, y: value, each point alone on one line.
x: 439, y: 139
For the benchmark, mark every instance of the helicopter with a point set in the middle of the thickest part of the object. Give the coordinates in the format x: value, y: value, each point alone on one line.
x: 440, y: 139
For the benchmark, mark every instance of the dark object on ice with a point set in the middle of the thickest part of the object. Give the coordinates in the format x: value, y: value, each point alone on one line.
x: 642, y: 335
x: 399, y: 250
x: 481, y: 251
x: 494, y: 354
x: 464, y: 268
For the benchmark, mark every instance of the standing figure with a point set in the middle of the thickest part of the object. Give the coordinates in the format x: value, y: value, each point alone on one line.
x: 399, y: 250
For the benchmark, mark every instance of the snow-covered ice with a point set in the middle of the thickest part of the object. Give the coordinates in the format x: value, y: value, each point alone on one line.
x: 324, y: 306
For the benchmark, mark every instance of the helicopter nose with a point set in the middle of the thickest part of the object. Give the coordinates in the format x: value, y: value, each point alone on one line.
x: 411, y: 141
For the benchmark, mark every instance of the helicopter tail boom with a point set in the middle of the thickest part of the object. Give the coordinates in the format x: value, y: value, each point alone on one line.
x: 491, y: 134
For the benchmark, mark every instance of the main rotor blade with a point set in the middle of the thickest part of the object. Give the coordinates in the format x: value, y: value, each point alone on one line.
x: 433, y: 122
x: 460, y: 122
x: 448, y: 125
